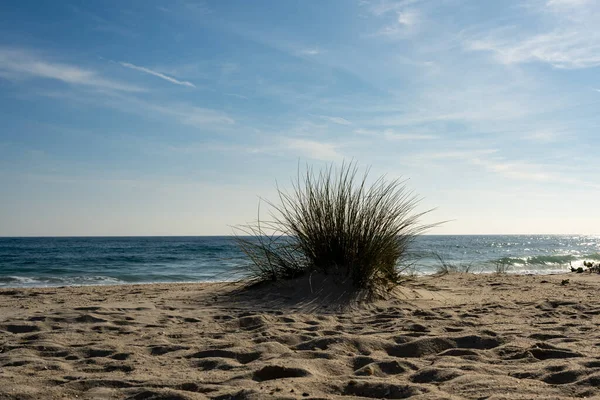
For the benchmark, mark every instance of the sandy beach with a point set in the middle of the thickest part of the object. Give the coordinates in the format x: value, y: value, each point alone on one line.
x: 450, y: 337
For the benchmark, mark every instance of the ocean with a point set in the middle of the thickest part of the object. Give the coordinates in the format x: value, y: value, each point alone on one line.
x: 65, y: 261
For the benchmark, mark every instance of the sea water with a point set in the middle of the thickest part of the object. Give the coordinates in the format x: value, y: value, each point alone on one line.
x: 63, y: 261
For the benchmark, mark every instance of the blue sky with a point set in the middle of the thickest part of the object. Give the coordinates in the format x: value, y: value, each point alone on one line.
x: 173, y: 117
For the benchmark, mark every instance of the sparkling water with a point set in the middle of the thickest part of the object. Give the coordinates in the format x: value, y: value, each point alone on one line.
x: 118, y: 260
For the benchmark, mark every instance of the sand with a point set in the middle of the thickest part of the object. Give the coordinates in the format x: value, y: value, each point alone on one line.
x: 451, y: 337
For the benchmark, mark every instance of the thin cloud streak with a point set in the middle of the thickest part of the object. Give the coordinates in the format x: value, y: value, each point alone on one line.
x: 310, y: 52
x: 336, y: 120
x: 19, y: 64
x: 157, y: 74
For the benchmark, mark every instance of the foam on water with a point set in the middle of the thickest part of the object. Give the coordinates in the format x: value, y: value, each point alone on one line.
x: 24, y: 281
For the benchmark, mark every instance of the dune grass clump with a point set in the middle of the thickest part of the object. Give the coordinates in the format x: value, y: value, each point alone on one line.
x: 336, y: 224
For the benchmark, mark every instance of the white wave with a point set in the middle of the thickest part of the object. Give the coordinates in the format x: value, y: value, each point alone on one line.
x: 26, y: 281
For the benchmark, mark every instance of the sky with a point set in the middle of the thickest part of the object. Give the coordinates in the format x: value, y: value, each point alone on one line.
x: 173, y: 117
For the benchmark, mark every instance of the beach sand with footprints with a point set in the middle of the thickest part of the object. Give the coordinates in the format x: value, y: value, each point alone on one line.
x: 449, y: 337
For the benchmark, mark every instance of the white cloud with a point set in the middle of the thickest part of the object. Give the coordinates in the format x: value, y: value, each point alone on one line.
x: 157, y: 74
x: 467, y: 154
x: 543, y: 136
x: 336, y: 120
x: 310, y: 51
x: 561, y: 49
x: 408, y: 18
x: 571, y: 42
x: 389, y: 134
x: 491, y: 161
x: 405, y: 23
x: 313, y: 149
x: 516, y: 169
x: 528, y: 171
x: 567, y: 3
x: 22, y: 64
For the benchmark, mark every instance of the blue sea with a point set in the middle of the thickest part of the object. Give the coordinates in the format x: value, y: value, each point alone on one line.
x: 64, y: 261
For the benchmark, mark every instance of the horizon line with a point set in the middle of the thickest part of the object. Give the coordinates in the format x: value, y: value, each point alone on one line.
x: 233, y: 236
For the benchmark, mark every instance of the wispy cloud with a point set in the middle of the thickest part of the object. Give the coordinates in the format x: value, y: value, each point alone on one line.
x: 459, y: 154
x: 183, y: 113
x: 405, y: 16
x: 408, y: 18
x: 189, y: 115
x: 312, y: 51
x: 336, y: 120
x: 492, y: 161
x: 314, y: 149
x: 157, y: 74
x: 543, y: 136
x: 530, y: 171
x: 389, y: 134
x: 515, y: 169
x: 561, y: 49
x: 382, y: 7
x: 19, y: 64
x: 569, y: 4
x: 571, y: 42
x: 237, y: 95
x: 405, y: 23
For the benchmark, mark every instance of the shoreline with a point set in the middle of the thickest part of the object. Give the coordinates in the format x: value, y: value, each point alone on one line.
x: 453, y: 336
x: 115, y: 285
x: 53, y: 262
x: 412, y: 275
